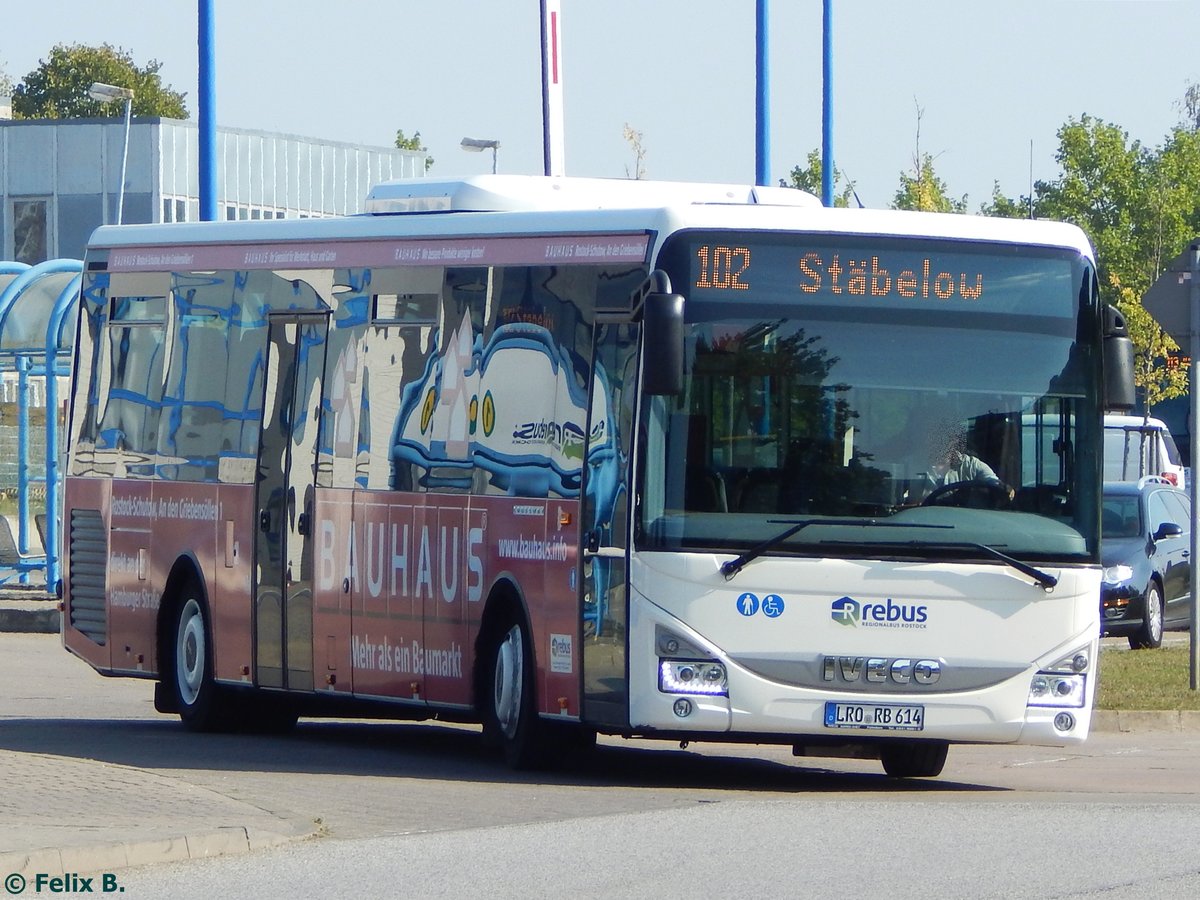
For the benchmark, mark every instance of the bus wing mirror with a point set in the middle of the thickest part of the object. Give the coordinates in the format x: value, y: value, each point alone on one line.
x: 1118, y: 362
x: 662, y: 335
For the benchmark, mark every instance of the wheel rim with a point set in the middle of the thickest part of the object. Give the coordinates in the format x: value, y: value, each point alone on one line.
x: 510, y: 659
x: 190, y: 653
x: 1154, y: 614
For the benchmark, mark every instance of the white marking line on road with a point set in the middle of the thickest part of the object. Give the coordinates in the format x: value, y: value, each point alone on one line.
x: 1057, y: 759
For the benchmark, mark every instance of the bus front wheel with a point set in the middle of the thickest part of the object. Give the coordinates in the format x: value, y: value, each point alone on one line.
x: 511, y: 718
x: 195, y: 690
x: 914, y: 759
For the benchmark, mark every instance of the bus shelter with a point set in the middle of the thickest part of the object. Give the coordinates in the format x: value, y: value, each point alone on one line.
x: 37, y: 332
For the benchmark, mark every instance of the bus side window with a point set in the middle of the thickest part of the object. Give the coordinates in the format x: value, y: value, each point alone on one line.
x: 131, y: 409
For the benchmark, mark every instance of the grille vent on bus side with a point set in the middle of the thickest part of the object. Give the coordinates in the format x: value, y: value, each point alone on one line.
x: 88, y: 555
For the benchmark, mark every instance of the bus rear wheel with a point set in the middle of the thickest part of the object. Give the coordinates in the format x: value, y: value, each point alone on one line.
x: 191, y: 674
x: 914, y: 759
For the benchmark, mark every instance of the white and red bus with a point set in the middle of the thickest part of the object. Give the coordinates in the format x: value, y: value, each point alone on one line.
x: 566, y: 457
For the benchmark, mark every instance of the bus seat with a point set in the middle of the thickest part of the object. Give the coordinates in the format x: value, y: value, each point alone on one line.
x: 9, y: 556
x: 759, y: 492
x: 40, y: 521
x: 704, y: 491
x: 11, y: 560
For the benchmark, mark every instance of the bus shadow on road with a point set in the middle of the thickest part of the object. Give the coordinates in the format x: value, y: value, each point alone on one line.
x: 437, y: 751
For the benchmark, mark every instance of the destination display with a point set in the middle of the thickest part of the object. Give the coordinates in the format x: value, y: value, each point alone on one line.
x: 889, y: 275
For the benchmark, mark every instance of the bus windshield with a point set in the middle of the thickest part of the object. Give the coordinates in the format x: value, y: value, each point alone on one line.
x: 897, y: 398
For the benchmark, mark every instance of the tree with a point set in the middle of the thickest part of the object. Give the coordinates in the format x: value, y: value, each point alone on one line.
x: 1100, y: 190
x: 414, y: 143
x: 634, y: 137
x: 809, y: 178
x: 58, y: 87
x: 1139, y: 207
x: 1191, y: 106
x: 923, y: 190
x: 1155, y: 368
x: 6, y: 83
x: 1006, y: 207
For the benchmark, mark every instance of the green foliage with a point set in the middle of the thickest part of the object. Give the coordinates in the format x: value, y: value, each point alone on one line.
x: 924, y: 191
x: 58, y: 87
x: 1140, y: 207
x: 6, y: 83
x: 1005, y: 207
x: 413, y: 143
x: 1103, y: 176
x: 1153, y: 371
x: 809, y: 178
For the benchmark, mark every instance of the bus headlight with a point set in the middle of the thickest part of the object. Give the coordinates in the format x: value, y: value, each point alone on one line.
x: 1057, y: 689
x: 689, y: 676
x: 1072, y: 664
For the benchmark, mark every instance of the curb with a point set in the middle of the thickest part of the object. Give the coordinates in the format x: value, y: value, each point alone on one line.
x: 1126, y: 721
x: 104, y: 857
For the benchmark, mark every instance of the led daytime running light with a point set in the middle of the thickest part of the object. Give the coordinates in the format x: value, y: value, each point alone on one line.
x: 685, y: 676
x: 1051, y: 689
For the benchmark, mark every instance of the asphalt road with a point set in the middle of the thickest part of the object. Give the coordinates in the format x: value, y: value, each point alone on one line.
x: 417, y: 810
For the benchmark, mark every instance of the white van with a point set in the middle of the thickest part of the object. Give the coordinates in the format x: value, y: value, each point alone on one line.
x: 1135, y: 446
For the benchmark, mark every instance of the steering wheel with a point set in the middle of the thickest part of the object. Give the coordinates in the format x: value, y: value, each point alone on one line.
x: 960, y: 493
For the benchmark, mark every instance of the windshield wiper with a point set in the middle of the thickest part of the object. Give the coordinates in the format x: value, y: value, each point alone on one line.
x: 735, y: 565
x: 1045, y: 579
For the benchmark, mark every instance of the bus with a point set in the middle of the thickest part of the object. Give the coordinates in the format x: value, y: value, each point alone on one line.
x: 565, y: 457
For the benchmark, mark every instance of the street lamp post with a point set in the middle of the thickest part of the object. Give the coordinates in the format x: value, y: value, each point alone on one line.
x: 477, y: 145
x: 106, y: 93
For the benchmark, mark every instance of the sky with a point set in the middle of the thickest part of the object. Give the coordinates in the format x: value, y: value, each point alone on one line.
x: 981, y: 85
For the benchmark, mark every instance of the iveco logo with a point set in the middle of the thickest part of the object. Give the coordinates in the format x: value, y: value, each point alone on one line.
x: 877, y: 670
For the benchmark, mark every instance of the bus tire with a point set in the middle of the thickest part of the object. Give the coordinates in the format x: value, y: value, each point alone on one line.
x: 914, y: 759
x: 510, y: 715
x: 191, y: 671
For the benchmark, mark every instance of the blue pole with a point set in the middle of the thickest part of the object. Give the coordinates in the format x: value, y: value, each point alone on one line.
x: 64, y: 308
x: 762, y: 124
x: 207, y: 98
x: 827, y: 105
x: 547, y: 165
x: 23, y: 366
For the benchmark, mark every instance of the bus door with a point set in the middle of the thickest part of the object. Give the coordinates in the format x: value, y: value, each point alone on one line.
x: 287, y: 458
x: 605, y: 521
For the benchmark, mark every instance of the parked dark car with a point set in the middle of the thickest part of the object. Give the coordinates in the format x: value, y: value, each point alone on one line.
x: 1146, y: 527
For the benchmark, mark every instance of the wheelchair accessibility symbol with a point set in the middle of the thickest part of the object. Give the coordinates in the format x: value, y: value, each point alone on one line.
x: 749, y: 604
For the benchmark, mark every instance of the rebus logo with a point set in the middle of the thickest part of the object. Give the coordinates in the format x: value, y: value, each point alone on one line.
x: 845, y: 611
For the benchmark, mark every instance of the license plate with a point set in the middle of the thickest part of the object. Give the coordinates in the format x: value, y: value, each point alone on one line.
x: 878, y: 716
